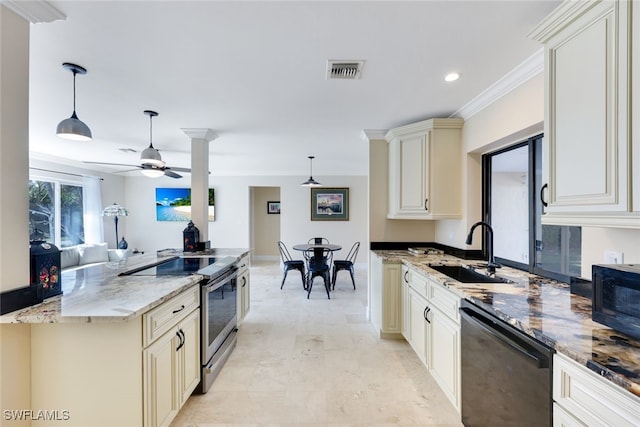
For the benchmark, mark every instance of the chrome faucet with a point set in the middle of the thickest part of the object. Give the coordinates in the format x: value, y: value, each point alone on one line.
x: 491, y: 262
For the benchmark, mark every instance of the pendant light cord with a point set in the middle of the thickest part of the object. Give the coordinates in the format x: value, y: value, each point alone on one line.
x: 150, y: 130
x: 74, y: 91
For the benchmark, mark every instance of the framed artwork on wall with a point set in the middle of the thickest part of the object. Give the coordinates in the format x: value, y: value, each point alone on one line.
x: 329, y: 204
x: 174, y: 204
x: 273, y: 208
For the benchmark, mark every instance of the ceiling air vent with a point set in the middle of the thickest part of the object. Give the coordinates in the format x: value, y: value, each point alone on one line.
x: 344, y: 69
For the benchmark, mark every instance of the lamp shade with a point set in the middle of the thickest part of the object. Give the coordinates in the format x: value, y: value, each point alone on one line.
x: 115, y: 210
x: 73, y: 128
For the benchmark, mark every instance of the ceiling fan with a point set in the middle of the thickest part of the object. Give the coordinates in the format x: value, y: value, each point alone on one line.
x: 152, y: 164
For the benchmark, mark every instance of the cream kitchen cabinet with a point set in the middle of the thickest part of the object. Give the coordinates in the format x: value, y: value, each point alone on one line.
x: 244, y: 288
x: 171, y: 362
x: 588, y: 162
x: 404, y: 302
x: 444, y: 340
x: 582, y: 398
x: 385, y: 297
x: 434, y: 331
x: 171, y: 370
x: 425, y: 170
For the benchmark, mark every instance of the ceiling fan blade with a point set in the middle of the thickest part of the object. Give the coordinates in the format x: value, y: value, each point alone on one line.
x: 179, y: 169
x: 112, y: 164
x: 171, y: 174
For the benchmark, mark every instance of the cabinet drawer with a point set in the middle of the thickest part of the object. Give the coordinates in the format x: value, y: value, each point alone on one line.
x: 419, y: 283
x: 590, y: 399
x: 445, y: 300
x: 162, y: 318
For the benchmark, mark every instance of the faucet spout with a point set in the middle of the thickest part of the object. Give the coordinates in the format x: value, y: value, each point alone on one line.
x: 491, y: 262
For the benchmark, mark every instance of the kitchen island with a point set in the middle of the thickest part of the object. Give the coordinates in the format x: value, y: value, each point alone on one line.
x: 544, y: 309
x: 115, y: 350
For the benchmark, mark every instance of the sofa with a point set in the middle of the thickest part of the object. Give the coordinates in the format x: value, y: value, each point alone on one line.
x: 85, y: 255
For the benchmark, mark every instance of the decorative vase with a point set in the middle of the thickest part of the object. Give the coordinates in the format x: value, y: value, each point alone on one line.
x: 123, y: 244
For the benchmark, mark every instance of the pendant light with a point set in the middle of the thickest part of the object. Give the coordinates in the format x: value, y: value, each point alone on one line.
x: 73, y: 128
x: 311, y: 182
x: 151, y: 156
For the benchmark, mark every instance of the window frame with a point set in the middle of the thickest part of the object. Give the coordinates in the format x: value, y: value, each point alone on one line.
x: 534, y: 203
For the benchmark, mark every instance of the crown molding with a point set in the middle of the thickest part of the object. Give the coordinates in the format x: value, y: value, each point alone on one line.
x: 373, y: 134
x: 35, y: 11
x: 200, y: 133
x: 528, y: 69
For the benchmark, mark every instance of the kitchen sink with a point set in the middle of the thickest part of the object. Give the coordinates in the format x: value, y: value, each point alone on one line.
x: 466, y: 274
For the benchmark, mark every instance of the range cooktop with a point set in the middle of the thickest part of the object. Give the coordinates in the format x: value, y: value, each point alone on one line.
x: 185, y: 266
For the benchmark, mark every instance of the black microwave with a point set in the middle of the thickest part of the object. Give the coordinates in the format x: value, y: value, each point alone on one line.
x: 616, y: 297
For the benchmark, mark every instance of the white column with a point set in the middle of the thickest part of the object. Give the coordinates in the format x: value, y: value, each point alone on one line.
x: 200, y: 138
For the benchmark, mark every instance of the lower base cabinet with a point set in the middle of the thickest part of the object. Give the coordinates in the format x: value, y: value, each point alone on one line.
x: 171, y: 371
x: 444, y: 354
x: 385, y: 289
x: 244, y: 289
x: 418, y: 329
x: 582, y: 398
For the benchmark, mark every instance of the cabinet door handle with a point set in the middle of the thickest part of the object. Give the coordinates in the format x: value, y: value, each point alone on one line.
x: 179, y: 310
x: 426, y: 312
x: 244, y: 282
x: 180, y: 335
x: 426, y: 204
x: 405, y: 276
x: 545, y: 204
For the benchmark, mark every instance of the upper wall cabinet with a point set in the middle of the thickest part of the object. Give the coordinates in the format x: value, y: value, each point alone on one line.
x: 425, y: 170
x: 588, y: 101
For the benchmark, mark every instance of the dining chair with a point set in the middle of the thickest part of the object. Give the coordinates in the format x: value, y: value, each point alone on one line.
x: 346, y: 264
x: 318, y: 266
x: 318, y: 240
x: 291, y: 264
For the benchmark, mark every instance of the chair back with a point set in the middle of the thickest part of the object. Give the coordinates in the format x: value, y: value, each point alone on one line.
x: 318, y: 240
x: 284, y: 252
x: 318, y: 263
x: 353, y: 253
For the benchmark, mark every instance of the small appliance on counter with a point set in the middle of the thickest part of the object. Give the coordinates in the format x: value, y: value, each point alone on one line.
x: 44, y: 263
x: 616, y: 297
x: 190, y: 238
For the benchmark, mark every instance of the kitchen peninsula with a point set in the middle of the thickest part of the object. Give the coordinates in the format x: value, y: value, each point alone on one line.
x: 117, y: 350
x: 602, y: 362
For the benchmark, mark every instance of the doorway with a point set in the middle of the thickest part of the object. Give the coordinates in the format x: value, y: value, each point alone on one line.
x: 265, y: 223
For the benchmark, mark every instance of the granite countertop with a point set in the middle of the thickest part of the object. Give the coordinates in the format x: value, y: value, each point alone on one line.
x: 97, y: 294
x: 544, y: 309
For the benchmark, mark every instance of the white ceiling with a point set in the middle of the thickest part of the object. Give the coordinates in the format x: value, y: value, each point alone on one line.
x: 255, y: 73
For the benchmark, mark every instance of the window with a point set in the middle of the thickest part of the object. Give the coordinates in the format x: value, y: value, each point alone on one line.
x: 56, y: 212
x: 512, y: 205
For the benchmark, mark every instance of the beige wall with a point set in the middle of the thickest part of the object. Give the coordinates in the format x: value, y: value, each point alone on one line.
x: 265, y: 227
x: 15, y: 347
x: 511, y: 119
x: 382, y: 229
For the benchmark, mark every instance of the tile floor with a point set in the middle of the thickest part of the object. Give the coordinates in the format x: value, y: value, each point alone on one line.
x: 316, y: 362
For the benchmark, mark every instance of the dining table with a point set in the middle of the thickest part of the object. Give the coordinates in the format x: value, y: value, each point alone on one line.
x: 318, y: 248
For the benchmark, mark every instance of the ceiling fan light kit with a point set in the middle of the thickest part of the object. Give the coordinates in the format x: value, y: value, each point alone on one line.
x: 73, y: 128
x: 311, y: 182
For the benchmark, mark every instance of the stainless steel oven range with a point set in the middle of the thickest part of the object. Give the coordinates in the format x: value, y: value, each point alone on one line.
x: 218, y: 306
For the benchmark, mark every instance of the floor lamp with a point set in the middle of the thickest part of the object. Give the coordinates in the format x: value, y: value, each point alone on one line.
x: 115, y: 211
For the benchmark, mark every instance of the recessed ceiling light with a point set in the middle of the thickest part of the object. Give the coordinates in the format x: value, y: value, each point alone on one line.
x: 451, y: 77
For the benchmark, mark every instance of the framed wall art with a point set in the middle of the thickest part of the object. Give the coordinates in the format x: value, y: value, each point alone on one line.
x: 174, y: 204
x: 273, y: 208
x: 329, y: 204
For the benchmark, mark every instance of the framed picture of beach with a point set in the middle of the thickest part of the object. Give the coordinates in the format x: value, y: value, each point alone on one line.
x: 174, y: 204
x: 329, y: 204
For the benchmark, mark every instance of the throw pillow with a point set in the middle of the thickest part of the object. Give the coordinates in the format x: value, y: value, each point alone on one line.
x: 93, y: 253
x: 69, y: 256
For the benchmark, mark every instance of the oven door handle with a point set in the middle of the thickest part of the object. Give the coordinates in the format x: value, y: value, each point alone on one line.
x: 470, y: 316
x: 215, y: 283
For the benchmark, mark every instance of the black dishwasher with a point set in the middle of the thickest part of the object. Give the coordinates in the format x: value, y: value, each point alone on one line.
x: 506, y: 374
